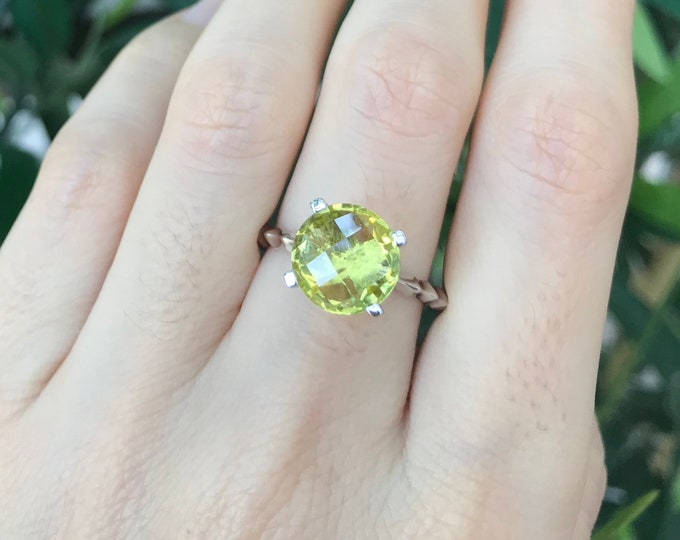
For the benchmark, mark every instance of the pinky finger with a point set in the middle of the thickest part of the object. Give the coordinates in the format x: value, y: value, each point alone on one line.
x: 594, y: 488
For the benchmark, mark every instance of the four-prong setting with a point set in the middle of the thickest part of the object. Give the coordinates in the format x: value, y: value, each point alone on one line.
x: 375, y: 310
x: 290, y: 279
x: 318, y: 205
x: 399, y: 238
x: 345, y: 258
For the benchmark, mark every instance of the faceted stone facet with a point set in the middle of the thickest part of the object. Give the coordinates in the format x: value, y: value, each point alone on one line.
x: 345, y: 259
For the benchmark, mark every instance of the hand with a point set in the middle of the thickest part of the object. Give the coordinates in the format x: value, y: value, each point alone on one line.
x: 159, y: 381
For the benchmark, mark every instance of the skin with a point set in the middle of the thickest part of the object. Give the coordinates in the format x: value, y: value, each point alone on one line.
x: 159, y: 381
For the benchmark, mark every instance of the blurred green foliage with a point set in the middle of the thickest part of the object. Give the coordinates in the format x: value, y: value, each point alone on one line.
x: 54, y: 50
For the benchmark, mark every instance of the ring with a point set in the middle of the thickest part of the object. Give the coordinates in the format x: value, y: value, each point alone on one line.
x: 346, y: 260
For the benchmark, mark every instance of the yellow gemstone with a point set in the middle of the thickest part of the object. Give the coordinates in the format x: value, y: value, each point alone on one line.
x: 345, y: 259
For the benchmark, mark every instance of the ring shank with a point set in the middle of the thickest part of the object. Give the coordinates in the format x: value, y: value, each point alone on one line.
x: 428, y: 294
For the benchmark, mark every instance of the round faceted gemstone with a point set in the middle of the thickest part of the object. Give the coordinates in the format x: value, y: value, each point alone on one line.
x: 345, y: 259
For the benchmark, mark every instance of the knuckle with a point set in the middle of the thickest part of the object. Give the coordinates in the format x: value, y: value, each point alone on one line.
x: 405, y: 85
x: 594, y: 490
x: 74, y: 172
x: 227, y: 112
x: 601, y: 477
x: 566, y: 141
x: 442, y: 484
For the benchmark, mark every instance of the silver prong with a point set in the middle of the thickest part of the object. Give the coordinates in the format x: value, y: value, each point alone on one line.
x: 399, y: 238
x: 375, y: 310
x: 318, y: 205
x: 290, y: 279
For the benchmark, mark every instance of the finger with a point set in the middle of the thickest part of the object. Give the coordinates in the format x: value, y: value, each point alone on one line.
x: 533, y: 244
x: 398, y: 95
x: 53, y: 263
x: 233, y: 130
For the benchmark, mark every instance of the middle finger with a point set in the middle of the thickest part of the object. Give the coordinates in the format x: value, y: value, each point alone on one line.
x: 233, y: 128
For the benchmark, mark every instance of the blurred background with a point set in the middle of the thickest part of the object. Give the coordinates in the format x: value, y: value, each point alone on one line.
x: 52, y: 51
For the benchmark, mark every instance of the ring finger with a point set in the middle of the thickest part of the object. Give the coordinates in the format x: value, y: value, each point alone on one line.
x: 398, y: 95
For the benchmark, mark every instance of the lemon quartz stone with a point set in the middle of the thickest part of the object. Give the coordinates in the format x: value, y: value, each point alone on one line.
x: 345, y: 259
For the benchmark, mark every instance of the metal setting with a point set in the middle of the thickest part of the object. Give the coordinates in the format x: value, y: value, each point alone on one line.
x: 274, y: 238
x: 318, y: 205
x: 376, y: 310
x: 399, y: 238
x: 290, y: 279
x: 428, y: 294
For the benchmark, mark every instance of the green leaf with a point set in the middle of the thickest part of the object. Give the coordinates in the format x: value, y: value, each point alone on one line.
x: 674, y: 410
x: 658, y: 101
x: 670, y: 520
x: 45, y: 24
x: 630, y: 311
x: 18, y: 66
x: 626, y: 533
x: 116, y: 13
x: 648, y: 51
x: 675, y: 493
x: 672, y: 7
x: 18, y: 170
x: 659, y: 204
x: 493, y: 29
x: 625, y: 517
x: 178, y: 4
